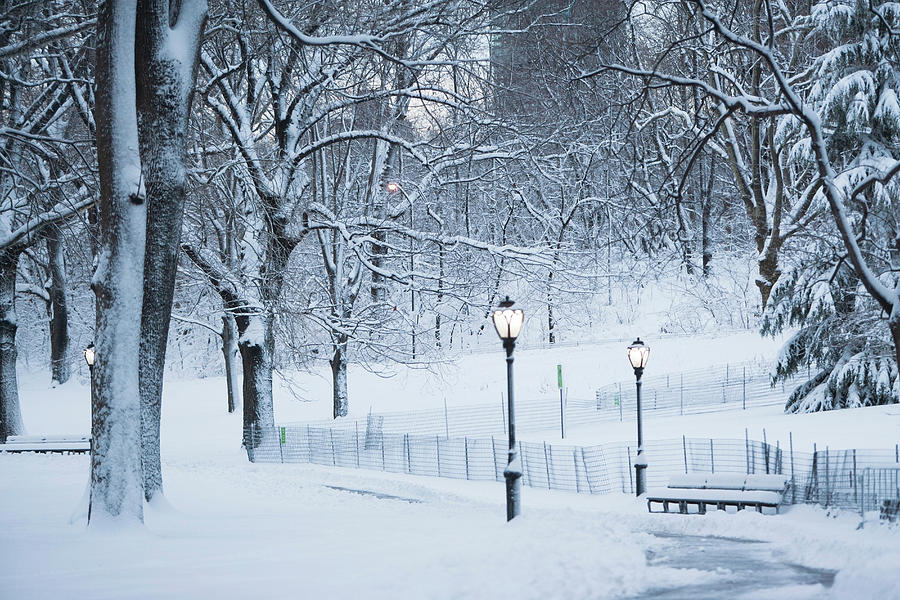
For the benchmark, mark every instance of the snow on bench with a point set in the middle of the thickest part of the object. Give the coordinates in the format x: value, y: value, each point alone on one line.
x: 64, y: 444
x: 701, y: 490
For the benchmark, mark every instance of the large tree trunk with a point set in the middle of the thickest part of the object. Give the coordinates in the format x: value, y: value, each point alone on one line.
x: 59, y: 317
x: 706, y: 244
x: 769, y: 274
x: 231, y: 354
x: 339, y: 377
x: 116, y: 483
x: 10, y: 413
x: 257, y: 348
x: 164, y: 89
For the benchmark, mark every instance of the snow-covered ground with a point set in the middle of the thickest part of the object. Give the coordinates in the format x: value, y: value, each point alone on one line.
x: 233, y: 529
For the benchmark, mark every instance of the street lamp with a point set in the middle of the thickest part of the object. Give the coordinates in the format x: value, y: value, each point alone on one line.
x: 638, y: 353
x: 89, y: 357
x: 392, y: 187
x: 508, y: 323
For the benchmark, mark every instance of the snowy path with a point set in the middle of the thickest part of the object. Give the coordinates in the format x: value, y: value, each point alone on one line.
x: 745, y: 569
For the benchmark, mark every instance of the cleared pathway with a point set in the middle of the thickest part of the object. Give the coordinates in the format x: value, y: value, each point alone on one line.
x: 744, y: 570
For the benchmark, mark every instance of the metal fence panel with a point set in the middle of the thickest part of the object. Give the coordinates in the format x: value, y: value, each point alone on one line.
x: 470, y: 443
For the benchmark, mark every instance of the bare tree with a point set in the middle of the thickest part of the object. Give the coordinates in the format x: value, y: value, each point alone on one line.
x: 117, y: 474
x: 35, y: 98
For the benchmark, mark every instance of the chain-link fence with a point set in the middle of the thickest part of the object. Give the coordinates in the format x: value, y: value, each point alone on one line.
x: 858, y: 479
x: 726, y: 387
x: 469, y: 442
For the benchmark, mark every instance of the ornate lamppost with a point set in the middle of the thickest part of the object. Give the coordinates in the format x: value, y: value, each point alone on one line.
x: 638, y: 353
x: 508, y: 323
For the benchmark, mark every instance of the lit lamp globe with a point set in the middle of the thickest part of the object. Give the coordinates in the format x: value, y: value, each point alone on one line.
x: 89, y: 355
x: 392, y: 187
x: 638, y: 353
x: 508, y: 321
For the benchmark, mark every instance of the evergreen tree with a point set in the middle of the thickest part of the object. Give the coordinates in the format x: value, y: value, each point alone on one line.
x: 843, y: 334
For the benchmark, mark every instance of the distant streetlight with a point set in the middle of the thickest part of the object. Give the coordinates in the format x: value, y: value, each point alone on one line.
x: 638, y: 353
x: 508, y: 323
x: 89, y: 357
x: 392, y: 187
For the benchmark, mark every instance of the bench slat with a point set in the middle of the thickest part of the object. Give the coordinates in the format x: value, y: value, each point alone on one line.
x: 695, y: 495
x: 63, y: 447
x: 47, y: 439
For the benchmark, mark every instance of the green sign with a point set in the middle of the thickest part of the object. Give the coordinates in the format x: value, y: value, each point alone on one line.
x: 282, y: 436
x: 559, y: 376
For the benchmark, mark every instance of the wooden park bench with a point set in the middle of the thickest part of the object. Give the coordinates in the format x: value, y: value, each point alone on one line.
x: 63, y: 444
x: 702, y: 490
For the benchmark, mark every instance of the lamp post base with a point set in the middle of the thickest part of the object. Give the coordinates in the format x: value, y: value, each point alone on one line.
x: 640, y: 479
x: 513, y: 474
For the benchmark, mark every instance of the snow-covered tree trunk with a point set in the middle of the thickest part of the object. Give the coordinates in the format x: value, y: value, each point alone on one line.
x: 231, y: 355
x: 166, y: 60
x: 116, y: 482
x: 257, y: 346
x: 339, y: 376
x: 59, y: 312
x: 10, y: 413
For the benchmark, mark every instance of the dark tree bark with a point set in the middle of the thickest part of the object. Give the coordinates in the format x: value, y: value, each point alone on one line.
x: 231, y: 353
x: 256, y: 346
x: 164, y: 92
x: 10, y: 412
x: 59, y: 312
x: 339, y: 376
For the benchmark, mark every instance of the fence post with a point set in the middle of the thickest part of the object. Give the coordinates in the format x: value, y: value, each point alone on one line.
x: 446, y: 420
x: 466, y: 441
x: 356, y: 423
x: 252, y: 443
x: 383, y: 467
x: 333, y: 454
x: 815, y: 472
x: 503, y: 413
x: 407, y: 453
x: 793, y: 479
x: 621, y: 401
x: 525, y: 469
x: 308, y: 446
x: 744, y: 390
x: 766, y: 450
x: 630, y: 476
x: 753, y: 458
x: 778, y: 469
x: 494, y: 459
x: 747, y: 448
x: 712, y: 461
x: 437, y: 445
x: 575, y: 461
x: 684, y: 447
x: 281, y: 436
x: 587, y: 472
x: 897, y: 453
x: 853, y: 477
x: 827, y: 478
x: 547, y: 465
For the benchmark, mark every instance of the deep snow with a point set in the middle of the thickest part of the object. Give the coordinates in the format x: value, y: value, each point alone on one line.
x: 232, y: 529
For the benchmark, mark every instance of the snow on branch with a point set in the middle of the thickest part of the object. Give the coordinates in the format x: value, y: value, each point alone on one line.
x: 33, y: 227
x: 46, y: 37
x: 366, y: 41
